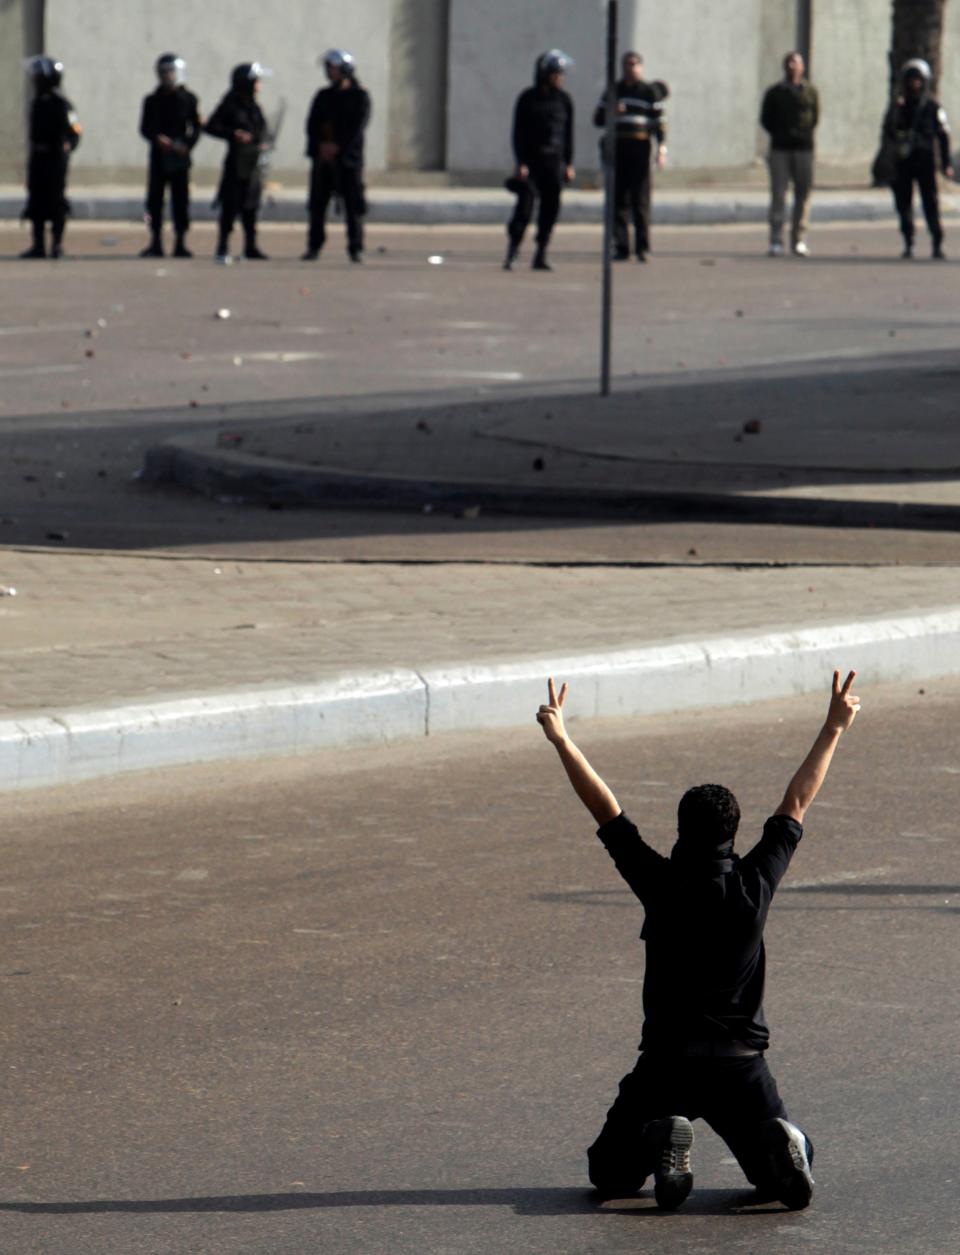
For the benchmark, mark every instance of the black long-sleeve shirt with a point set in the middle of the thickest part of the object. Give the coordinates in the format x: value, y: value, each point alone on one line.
x: 238, y: 111
x: 339, y: 115
x: 703, y: 930
x: 543, y: 125
x: 175, y: 114
x: 53, y: 123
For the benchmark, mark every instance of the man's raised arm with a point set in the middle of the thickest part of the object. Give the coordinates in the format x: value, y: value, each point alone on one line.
x: 810, y: 775
x: 589, y: 788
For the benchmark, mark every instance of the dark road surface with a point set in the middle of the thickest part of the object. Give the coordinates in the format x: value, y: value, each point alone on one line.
x: 379, y: 1002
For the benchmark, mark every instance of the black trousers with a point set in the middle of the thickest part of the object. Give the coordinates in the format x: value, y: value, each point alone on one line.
x: 239, y: 198
x: 632, y: 196
x: 545, y: 182
x: 158, y: 180
x: 46, y: 193
x: 327, y: 179
x: 919, y: 169
x: 734, y: 1096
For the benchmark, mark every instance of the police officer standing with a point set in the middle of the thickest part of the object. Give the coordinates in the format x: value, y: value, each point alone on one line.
x: 54, y: 134
x: 543, y: 148
x: 337, y: 120
x: 170, y: 123
x: 916, y: 124
x: 640, y: 121
x: 239, y: 120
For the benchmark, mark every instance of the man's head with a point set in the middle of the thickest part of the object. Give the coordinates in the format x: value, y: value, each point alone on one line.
x: 793, y: 67
x: 632, y: 66
x: 707, y: 820
x: 170, y: 70
x: 339, y: 65
x: 915, y: 76
x: 550, y: 68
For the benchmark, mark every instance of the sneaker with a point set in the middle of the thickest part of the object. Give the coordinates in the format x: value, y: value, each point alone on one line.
x: 775, y: 250
x: 788, y: 1164
x: 800, y: 249
x: 356, y: 256
x: 540, y: 261
x: 672, y: 1177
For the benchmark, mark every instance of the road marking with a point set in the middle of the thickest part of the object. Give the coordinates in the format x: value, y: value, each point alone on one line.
x: 7, y: 371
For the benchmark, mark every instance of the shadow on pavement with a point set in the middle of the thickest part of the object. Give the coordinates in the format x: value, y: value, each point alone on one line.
x: 675, y: 445
x: 842, y: 888
x: 525, y: 1202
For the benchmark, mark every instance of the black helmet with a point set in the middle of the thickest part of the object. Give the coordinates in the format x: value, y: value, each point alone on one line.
x: 45, y: 71
x: 170, y: 61
x: 552, y: 62
x: 341, y: 60
x: 244, y: 76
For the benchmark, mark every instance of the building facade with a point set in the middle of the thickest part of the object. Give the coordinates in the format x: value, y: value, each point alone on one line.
x: 443, y: 75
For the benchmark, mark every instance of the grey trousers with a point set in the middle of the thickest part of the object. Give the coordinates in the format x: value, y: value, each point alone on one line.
x: 788, y: 166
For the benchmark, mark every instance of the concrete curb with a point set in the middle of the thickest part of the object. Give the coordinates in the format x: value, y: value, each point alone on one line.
x: 487, y: 207
x: 378, y: 707
x: 226, y: 473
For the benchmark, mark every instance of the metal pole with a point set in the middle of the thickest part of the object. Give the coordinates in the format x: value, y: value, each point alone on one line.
x: 609, y: 149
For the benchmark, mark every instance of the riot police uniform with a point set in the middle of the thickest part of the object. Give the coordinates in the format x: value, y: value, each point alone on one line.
x: 543, y: 146
x: 239, y: 120
x: 335, y: 129
x: 54, y: 134
x: 916, y: 125
x: 170, y: 123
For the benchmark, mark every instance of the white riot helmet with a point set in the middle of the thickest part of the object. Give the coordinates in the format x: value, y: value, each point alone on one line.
x: 169, y: 62
x: 916, y: 65
x: 341, y: 60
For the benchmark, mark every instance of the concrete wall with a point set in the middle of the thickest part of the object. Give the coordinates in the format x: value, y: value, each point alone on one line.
x: 493, y: 47
x: 110, y: 47
x: 444, y: 74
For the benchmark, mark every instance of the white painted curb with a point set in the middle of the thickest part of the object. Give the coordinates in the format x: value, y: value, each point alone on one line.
x: 378, y: 707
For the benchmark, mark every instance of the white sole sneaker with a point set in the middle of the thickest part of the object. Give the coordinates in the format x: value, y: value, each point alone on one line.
x: 672, y: 1178
x: 787, y: 1164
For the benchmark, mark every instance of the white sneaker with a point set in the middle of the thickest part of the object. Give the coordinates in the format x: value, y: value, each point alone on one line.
x: 800, y: 249
x: 775, y: 250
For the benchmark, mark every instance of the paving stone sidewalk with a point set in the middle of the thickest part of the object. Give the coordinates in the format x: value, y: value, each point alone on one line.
x: 94, y: 629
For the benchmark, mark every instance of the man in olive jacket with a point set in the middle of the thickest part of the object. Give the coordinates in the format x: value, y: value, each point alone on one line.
x: 790, y: 113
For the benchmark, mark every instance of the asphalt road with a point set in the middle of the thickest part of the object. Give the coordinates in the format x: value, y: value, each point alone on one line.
x: 379, y: 1002
x: 104, y: 354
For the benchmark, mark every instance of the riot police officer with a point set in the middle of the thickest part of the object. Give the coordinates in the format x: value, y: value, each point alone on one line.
x: 543, y: 148
x: 170, y: 123
x: 335, y: 126
x: 239, y: 120
x: 916, y: 125
x: 54, y: 134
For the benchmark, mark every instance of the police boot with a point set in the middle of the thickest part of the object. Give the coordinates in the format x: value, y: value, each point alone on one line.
x: 250, y: 249
x: 540, y: 259
x: 56, y: 240
x: 38, y: 248
x: 513, y: 248
x: 938, y: 254
x: 154, y: 248
x: 180, y: 248
x: 907, y: 248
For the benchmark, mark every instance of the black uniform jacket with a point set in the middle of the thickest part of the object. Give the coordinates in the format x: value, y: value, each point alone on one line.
x: 174, y: 114
x: 54, y: 134
x: 918, y: 128
x: 339, y: 115
x: 543, y: 126
x: 703, y: 929
x: 238, y: 111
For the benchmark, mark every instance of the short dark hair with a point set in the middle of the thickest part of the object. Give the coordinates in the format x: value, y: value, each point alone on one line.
x: 708, y: 815
x: 788, y: 57
x: 628, y: 55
